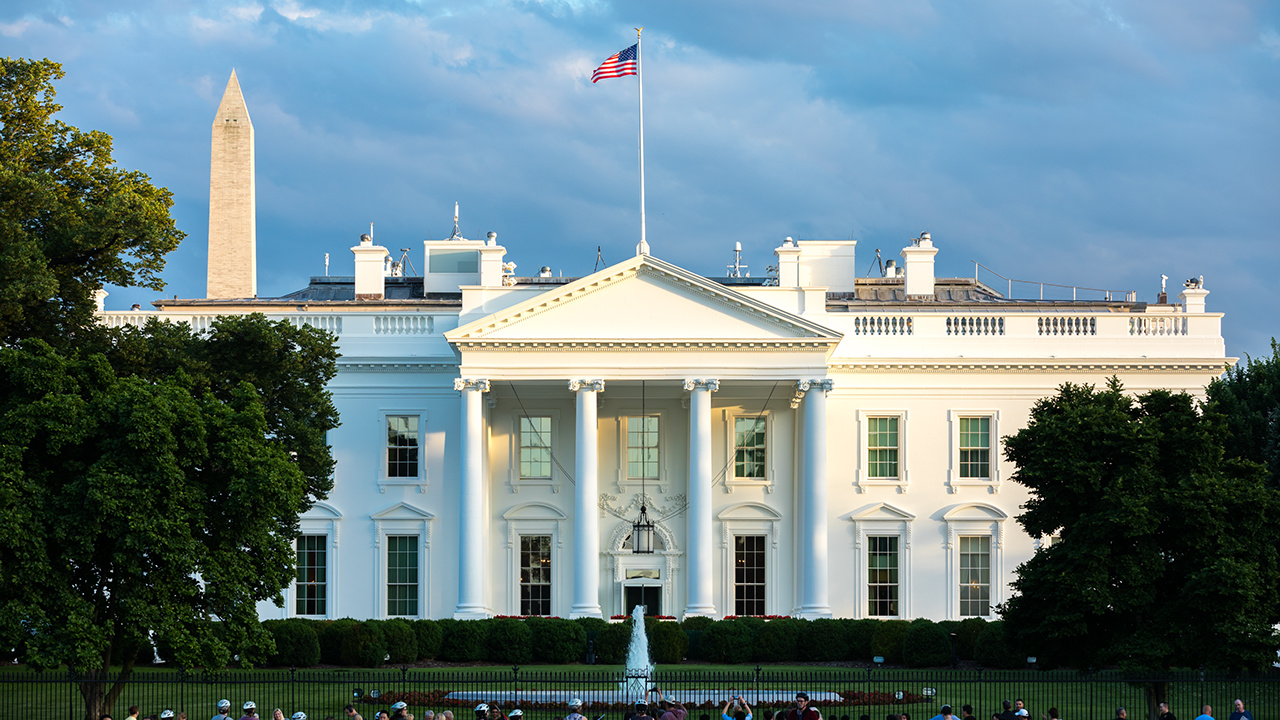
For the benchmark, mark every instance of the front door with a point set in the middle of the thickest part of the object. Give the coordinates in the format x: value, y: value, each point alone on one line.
x: 650, y: 596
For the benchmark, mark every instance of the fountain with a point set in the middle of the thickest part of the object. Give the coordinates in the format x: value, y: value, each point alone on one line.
x: 639, y: 669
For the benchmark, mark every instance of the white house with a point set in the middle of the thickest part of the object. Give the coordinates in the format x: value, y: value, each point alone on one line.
x: 812, y: 444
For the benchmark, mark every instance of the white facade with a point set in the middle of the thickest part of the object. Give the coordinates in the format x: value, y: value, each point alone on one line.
x: 820, y: 445
x: 874, y: 407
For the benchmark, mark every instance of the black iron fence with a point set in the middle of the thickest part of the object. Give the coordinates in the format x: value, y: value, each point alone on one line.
x: 840, y: 693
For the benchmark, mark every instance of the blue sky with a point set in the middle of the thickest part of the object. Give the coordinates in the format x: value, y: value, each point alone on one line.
x: 1079, y: 142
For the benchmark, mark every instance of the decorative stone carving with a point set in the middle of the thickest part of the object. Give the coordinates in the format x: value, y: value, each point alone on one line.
x: 691, y: 383
x: 596, y: 385
x: 481, y: 384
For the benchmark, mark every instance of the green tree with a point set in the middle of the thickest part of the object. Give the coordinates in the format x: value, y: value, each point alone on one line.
x: 151, y: 478
x: 70, y: 219
x: 1155, y: 527
x: 1247, y: 400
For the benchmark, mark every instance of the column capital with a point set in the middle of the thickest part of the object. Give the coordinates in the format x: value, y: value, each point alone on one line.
x: 823, y: 384
x: 691, y: 384
x: 481, y: 384
x: 595, y: 385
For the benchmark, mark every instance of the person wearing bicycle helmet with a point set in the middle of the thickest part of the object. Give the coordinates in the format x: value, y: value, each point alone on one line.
x: 166, y: 714
x: 298, y: 716
x: 224, y: 710
x: 250, y: 711
x: 400, y: 711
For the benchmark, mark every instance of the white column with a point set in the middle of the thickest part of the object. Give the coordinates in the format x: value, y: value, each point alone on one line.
x: 699, y: 574
x: 471, y: 524
x: 813, y: 600
x: 586, y: 508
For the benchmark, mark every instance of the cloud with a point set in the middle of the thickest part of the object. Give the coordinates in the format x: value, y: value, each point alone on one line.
x: 1270, y: 41
x: 15, y: 29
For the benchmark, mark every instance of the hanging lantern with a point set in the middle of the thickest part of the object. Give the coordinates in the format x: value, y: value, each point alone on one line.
x: 642, y: 533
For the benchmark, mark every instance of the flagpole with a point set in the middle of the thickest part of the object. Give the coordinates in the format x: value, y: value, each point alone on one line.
x: 643, y: 247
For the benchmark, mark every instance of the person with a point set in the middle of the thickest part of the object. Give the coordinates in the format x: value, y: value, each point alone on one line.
x: 277, y: 714
x: 944, y: 714
x: 1053, y: 713
x: 381, y: 715
x: 137, y: 307
x: 1020, y: 708
x: 574, y: 706
x: 516, y: 714
x: 429, y: 715
x: 1240, y: 713
x: 768, y: 715
x: 132, y: 714
x: 803, y: 710
x: 674, y: 710
x: 104, y: 716
x: 495, y: 712
x: 250, y: 711
x: 741, y: 710
x: 350, y: 710
x: 642, y: 711
x: 1007, y: 712
x: 446, y: 715
x: 1206, y: 713
x: 400, y: 711
x: 298, y: 716
x: 224, y: 710
x: 1163, y: 712
x: 968, y: 712
x: 1121, y: 714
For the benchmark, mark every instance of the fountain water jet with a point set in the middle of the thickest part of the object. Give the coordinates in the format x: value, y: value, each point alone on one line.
x: 639, y: 669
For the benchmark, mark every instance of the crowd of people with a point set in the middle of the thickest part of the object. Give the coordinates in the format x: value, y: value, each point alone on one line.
x: 735, y: 708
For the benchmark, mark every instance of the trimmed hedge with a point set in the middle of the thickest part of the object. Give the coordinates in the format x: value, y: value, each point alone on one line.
x: 994, y: 648
x: 825, y: 640
x: 429, y: 638
x: 464, y: 640
x: 363, y: 644
x: 926, y: 644
x: 967, y: 633
x: 557, y: 641
x: 297, y: 644
x: 778, y: 641
x: 402, y: 641
x: 330, y: 636
x: 727, y: 641
x: 887, y: 639
x: 859, y: 633
x: 612, y: 642
x: 509, y: 641
x: 667, y: 641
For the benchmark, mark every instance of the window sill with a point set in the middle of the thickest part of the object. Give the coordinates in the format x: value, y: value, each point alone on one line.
x: 420, y: 483
x: 731, y: 483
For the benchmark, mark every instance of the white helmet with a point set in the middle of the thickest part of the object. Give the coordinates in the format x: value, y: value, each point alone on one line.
x: 224, y: 704
x: 399, y: 706
x: 516, y: 713
x: 299, y: 716
x: 575, y: 703
x: 482, y: 708
x: 164, y: 714
x: 250, y: 705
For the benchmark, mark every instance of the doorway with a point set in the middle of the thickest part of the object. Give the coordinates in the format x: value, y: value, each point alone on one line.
x: 650, y: 596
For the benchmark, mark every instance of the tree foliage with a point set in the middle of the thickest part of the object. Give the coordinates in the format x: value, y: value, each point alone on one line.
x: 70, y: 219
x: 152, y: 478
x: 1247, y: 400
x: 1156, y: 526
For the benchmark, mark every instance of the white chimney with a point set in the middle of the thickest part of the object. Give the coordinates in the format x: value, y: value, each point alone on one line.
x: 919, y: 268
x: 370, y: 264
x: 1193, y: 295
x: 788, y: 264
x: 100, y: 299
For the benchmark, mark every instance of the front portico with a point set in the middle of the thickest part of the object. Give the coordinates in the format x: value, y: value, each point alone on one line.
x: 653, y: 364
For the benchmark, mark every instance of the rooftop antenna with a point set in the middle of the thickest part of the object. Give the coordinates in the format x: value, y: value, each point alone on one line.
x: 599, y: 259
x: 404, y: 258
x: 877, y: 264
x: 326, y: 264
x: 456, y: 235
x: 736, y: 268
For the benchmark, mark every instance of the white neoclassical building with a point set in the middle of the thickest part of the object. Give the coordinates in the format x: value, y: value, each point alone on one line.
x: 813, y: 443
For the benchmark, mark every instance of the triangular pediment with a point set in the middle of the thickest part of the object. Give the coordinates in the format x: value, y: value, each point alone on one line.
x: 643, y: 299
x: 881, y: 511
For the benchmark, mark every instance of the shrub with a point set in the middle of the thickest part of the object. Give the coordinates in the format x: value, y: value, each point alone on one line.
x: 727, y: 641
x: 402, y: 641
x: 363, y: 644
x: 330, y: 636
x: 697, y: 623
x: 557, y: 641
x: 464, y: 640
x: 509, y: 641
x: 994, y: 649
x: 778, y: 641
x: 612, y: 642
x: 967, y: 632
x: 667, y: 642
x: 297, y: 644
x: 824, y: 640
x: 693, y: 628
x: 858, y: 634
x: 887, y: 640
x: 429, y: 637
x: 926, y: 644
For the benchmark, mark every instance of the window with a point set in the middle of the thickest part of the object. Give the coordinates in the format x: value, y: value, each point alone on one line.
x: 975, y: 447
x: 975, y: 575
x: 642, y: 446
x: 311, y: 587
x: 402, y: 446
x: 535, y: 447
x: 749, y: 448
x: 882, y: 576
x: 453, y: 261
x: 749, y: 575
x: 535, y: 574
x: 882, y: 447
x: 402, y: 575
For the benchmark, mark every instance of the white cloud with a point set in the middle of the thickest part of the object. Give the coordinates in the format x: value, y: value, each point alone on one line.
x: 1270, y: 40
x: 246, y: 13
x: 14, y: 29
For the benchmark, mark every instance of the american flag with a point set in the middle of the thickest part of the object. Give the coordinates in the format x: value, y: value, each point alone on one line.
x: 619, y: 64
